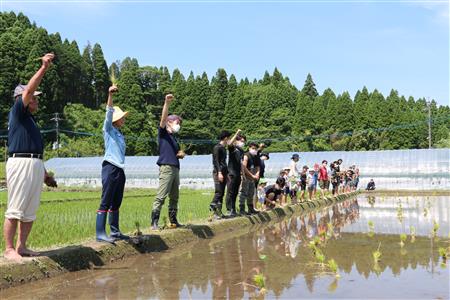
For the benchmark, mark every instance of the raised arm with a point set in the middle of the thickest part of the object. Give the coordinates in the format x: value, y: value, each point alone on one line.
x: 37, y: 78
x: 111, y: 91
x: 107, y: 125
x: 165, y: 110
x: 233, y: 139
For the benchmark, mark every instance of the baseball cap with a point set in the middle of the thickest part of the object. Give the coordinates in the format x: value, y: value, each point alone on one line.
x: 172, y: 118
x: 295, y: 156
x: 262, y: 181
x: 21, y: 88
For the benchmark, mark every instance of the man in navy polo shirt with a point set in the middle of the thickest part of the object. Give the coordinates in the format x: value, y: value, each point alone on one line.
x: 169, y: 166
x: 25, y: 170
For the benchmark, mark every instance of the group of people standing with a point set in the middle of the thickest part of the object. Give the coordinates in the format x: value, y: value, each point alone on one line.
x: 26, y: 173
x: 301, y: 183
x: 242, y: 175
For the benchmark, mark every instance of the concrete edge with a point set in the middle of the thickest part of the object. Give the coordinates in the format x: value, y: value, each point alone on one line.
x: 94, y: 254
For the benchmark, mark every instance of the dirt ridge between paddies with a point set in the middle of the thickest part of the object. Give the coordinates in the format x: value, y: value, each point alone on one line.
x: 94, y: 254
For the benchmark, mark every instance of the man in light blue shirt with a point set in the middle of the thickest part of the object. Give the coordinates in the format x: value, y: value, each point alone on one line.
x: 113, y: 175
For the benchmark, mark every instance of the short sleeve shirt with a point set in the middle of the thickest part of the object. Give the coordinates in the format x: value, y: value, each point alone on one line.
x: 168, y: 148
x: 24, y: 135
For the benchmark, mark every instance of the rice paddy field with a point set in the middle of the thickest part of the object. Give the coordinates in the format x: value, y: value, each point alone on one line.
x: 67, y: 216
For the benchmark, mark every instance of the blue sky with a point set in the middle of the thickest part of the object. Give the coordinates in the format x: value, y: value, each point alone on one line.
x: 344, y: 45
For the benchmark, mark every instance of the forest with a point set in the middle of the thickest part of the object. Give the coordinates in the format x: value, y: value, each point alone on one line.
x: 270, y: 109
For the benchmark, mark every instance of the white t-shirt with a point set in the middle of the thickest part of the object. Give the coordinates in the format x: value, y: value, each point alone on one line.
x: 293, y: 169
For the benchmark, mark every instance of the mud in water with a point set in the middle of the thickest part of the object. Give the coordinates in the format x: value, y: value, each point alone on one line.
x: 290, y: 260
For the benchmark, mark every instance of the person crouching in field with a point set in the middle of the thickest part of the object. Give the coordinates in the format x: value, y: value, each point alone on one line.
x: 274, y: 193
x: 169, y: 166
x: 25, y: 170
x: 113, y: 176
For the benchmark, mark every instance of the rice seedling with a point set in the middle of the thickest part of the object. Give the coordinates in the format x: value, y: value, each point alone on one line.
x: 332, y: 265
x: 403, y: 238
x: 377, y: 254
x: 400, y: 213
x: 412, y: 231
x: 68, y: 218
x: 320, y: 257
x: 113, y: 78
x: 138, y: 231
x: 262, y: 256
x: 425, y: 212
x: 259, y: 280
x: 371, y: 232
x: 443, y: 253
x: 435, y: 229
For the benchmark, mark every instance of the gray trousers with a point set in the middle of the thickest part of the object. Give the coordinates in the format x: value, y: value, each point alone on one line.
x: 169, y: 183
x: 247, y: 192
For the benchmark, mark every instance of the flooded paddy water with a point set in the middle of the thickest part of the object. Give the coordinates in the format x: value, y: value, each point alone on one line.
x: 367, y: 247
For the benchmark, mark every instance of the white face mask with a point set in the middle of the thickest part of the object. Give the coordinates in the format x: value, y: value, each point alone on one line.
x: 253, y: 152
x: 176, y: 128
x: 240, y: 144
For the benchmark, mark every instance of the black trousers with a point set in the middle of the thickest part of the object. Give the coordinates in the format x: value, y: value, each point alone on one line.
x: 234, y: 181
x: 219, y: 190
x: 113, y: 181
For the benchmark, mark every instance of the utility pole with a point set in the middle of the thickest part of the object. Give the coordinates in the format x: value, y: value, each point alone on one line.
x: 429, y: 122
x: 57, y: 119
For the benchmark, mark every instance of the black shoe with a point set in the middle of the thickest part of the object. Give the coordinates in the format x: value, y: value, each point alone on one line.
x: 252, y: 210
x: 173, y: 222
x: 242, y: 211
x: 231, y: 214
x: 155, y: 219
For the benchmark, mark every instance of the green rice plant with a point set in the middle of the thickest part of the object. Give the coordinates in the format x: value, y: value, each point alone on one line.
x: 443, y: 253
x: 138, y: 229
x: 425, y: 212
x: 259, y: 280
x: 332, y: 265
x: 412, y: 231
x: 377, y: 254
x: 400, y: 213
x: 63, y: 223
x: 371, y: 232
x: 403, y: 238
x: 435, y: 229
x: 113, y: 78
x: 262, y: 256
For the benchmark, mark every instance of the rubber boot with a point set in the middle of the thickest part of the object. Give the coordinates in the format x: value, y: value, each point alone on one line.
x: 214, y: 210
x: 219, y: 212
x: 252, y: 210
x: 155, y: 219
x: 100, y: 232
x: 242, y: 211
x: 113, y: 219
x: 173, y: 219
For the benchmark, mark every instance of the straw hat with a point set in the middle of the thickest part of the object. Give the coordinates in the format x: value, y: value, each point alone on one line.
x: 118, y: 114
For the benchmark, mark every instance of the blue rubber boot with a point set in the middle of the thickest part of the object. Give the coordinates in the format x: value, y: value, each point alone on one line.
x: 113, y: 218
x: 100, y: 228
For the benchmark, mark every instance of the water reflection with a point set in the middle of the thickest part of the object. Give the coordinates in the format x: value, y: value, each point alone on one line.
x: 225, y: 268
